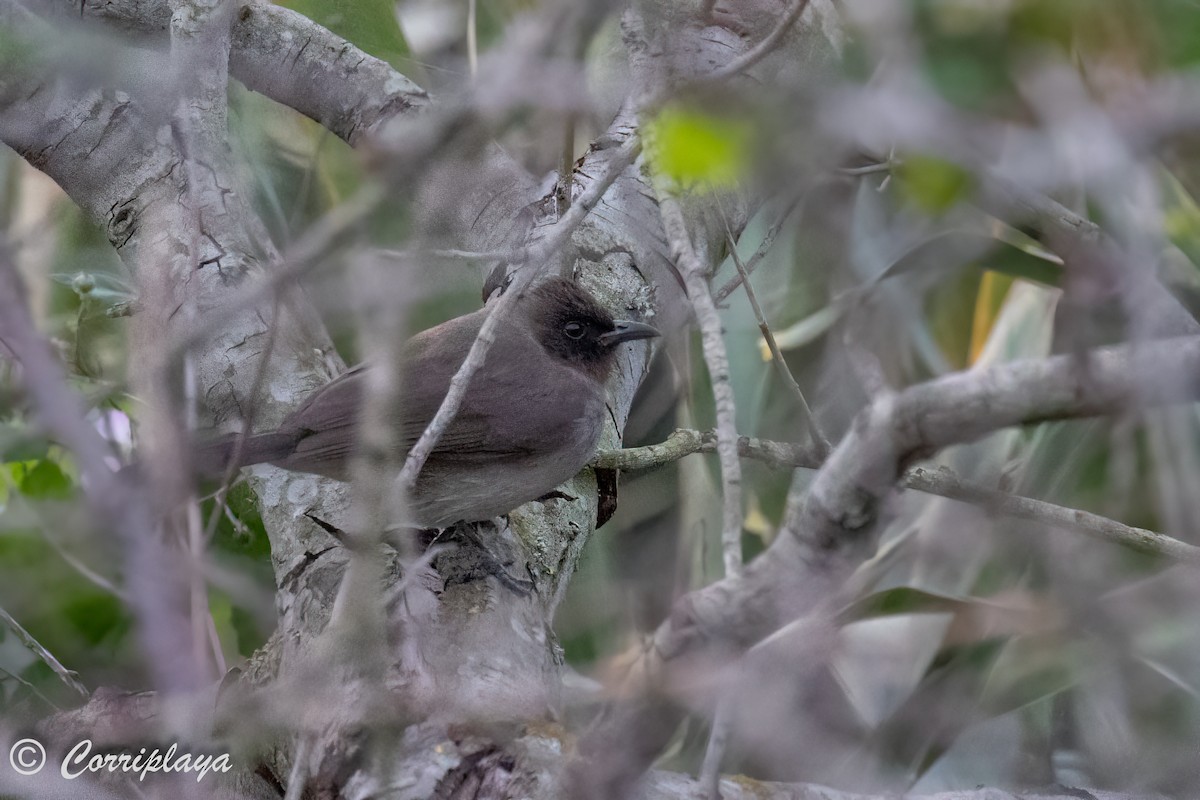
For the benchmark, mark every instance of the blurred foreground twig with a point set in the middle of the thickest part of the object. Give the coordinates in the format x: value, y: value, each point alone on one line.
x: 941, y: 482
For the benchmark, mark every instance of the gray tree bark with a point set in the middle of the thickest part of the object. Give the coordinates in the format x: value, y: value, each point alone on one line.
x: 460, y: 694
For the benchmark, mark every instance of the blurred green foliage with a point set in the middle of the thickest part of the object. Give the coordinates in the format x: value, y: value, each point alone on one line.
x: 369, y: 24
x: 691, y: 147
x: 933, y: 184
x: 937, y: 283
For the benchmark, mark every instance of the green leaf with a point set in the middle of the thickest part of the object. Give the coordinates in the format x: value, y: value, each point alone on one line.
x: 809, y: 329
x: 19, y: 52
x: 948, y: 693
x: 690, y: 147
x: 248, y: 632
x: 96, y: 616
x: 20, y: 443
x: 901, y: 600
x: 1029, y: 262
x: 1181, y: 218
x: 1027, y: 670
x: 246, y: 537
x: 1022, y: 329
x: 1178, y: 30
x: 22, y: 549
x: 369, y: 25
x: 967, y: 57
x: 931, y: 183
x: 45, y: 480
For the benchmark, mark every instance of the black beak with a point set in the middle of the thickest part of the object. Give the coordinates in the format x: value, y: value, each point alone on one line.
x: 627, y: 331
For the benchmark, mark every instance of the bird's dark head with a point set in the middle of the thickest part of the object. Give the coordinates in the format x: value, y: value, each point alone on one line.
x: 571, y: 325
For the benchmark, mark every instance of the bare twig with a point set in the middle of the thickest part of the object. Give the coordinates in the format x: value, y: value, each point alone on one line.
x: 472, y: 40
x: 566, y: 160
x: 869, y: 169
x: 714, y: 752
x: 459, y: 383
x: 87, y: 572
x: 69, y: 677
x: 944, y: 483
x: 761, y: 50
x: 74, y: 563
x: 383, y: 330
x: 684, y: 442
x: 941, y: 482
x: 463, y: 255
x: 785, y: 373
x: 763, y: 248
x: 12, y: 676
x: 680, y: 443
x: 717, y: 359
x: 299, y: 775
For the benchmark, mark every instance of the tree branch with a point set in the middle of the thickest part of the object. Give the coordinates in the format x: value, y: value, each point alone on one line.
x: 695, y: 277
x: 763, y: 49
x: 287, y: 57
x: 940, y: 482
x: 673, y: 786
x: 837, y: 517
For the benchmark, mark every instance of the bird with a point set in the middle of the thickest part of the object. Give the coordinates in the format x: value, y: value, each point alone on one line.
x: 530, y: 419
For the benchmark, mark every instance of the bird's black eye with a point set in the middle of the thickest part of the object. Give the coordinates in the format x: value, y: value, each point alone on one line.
x: 574, y: 329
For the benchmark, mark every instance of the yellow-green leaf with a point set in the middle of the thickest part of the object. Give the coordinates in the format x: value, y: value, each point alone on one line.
x: 690, y: 147
x: 933, y: 184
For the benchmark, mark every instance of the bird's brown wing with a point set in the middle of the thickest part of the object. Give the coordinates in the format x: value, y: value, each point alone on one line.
x: 510, y: 408
x: 328, y: 425
x: 494, y: 419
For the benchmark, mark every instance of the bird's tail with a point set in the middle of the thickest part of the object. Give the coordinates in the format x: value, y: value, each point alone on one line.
x: 213, y: 459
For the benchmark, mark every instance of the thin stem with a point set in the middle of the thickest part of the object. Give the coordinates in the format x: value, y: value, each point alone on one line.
x: 940, y: 482
x: 763, y: 248
x: 761, y: 50
x: 781, y: 366
x: 718, y: 742
x: 34, y: 646
x: 260, y: 375
x: 717, y: 358
x: 869, y: 169
x: 566, y: 165
x: 299, y: 774
x: 472, y: 39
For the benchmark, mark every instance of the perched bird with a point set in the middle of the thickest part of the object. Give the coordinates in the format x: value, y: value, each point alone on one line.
x: 530, y: 419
